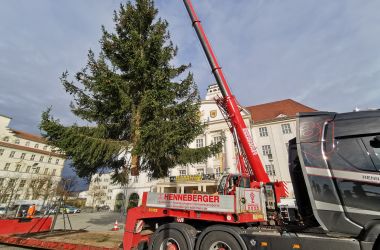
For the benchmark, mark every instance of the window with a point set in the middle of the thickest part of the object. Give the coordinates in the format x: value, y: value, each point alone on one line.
x: 200, y: 171
x: 270, y: 170
x: 45, y: 147
x: 7, y: 165
x: 23, y: 156
x: 17, y: 196
x: 199, y: 143
x: 22, y: 183
x: 53, y: 173
x: 37, y: 170
x: 11, y: 182
x: 17, y: 141
x: 267, y: 151
x: 1, y: 151
x: 27, y: 169
x: 36, y: 145
x: 182, y: 172
x: 46, y: 171
x: 18, y: 168
x: 57, y: 161
x: 217, y: 171
x: 263, y: 131
x: 32, y: 157
x: 286, y: 128
x: 1, y: 182
x: 12, y: 154
x: 27, y: 143
x: 216, y: 139
x: 6, y: 139
x: 42, y: 158
x: 373, y: 146
x: 49, y: 160
x: 135, y: 179
x: 357, y: 153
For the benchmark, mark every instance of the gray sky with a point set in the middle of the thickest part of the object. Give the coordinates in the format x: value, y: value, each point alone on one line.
x: 322, y: 53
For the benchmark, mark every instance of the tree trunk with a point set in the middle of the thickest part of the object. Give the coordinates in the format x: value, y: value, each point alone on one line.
x: 135, y: 162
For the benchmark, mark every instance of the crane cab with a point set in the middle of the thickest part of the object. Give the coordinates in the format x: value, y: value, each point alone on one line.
x: 229, y: 182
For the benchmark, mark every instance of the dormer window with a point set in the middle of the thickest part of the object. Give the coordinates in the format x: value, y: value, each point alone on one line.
x: 281, y: 116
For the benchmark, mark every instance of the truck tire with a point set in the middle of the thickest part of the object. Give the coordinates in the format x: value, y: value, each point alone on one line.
x: 169, y: 238
x: 219, y: 240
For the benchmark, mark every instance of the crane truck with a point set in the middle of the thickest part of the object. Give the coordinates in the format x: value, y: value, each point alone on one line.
x: 334, y: 164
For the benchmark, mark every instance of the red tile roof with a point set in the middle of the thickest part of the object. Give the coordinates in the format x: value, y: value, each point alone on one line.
x: 28, y: 136
x: 273, y: 110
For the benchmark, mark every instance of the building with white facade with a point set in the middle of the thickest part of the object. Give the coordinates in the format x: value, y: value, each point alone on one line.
x: 204, y: 176
x: 273, y: 125
x: 103, y: 192
x: 30, y: 169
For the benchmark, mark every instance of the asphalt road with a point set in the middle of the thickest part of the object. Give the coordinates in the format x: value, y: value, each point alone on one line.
x: 98, y: 221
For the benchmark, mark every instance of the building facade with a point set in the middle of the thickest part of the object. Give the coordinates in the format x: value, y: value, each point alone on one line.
x: 273, y: 125
x: 102, y: 192
x: 204, y: 176
x: 30, y: 169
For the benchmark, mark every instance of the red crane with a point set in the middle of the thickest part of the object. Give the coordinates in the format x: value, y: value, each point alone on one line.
x: 249, y: 162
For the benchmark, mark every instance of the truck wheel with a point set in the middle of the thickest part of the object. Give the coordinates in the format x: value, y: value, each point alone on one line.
x: 169, y: 239
x: 219, y: 240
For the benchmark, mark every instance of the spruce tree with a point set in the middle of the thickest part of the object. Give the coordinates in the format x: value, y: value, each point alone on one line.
x: 134, y: 100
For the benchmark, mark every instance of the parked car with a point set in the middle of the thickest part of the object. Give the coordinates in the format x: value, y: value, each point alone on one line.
x: 70, y: 209
x: 104, y: 208
x: 51, y: 210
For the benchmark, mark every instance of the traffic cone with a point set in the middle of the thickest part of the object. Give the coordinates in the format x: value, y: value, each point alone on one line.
x: 115, y: 226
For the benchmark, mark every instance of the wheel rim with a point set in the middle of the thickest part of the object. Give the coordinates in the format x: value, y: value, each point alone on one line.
x: 170, y: 244
x: 220, y: 245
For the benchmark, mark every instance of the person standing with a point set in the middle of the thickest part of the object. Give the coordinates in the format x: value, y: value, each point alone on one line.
x: 31, y: 211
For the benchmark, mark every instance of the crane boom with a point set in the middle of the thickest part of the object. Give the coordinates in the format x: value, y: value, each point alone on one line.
x: 243, y: 134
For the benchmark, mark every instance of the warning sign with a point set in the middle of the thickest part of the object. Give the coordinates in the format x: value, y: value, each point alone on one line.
x: 250, y: 200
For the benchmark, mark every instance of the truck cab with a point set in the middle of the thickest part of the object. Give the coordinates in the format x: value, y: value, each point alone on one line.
x: 335, y: 169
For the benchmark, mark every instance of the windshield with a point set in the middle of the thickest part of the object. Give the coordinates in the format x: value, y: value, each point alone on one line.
x: 222, y: 184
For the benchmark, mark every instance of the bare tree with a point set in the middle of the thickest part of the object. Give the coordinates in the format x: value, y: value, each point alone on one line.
x: 66, y: 187
x: 50, y: 188
x: 97, y: 193
x: 8, y: 190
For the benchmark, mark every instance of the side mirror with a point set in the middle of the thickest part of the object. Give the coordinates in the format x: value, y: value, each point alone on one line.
x: 375, y: 142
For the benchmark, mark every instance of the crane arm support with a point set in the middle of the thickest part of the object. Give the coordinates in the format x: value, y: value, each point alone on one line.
x: 232, y: 108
